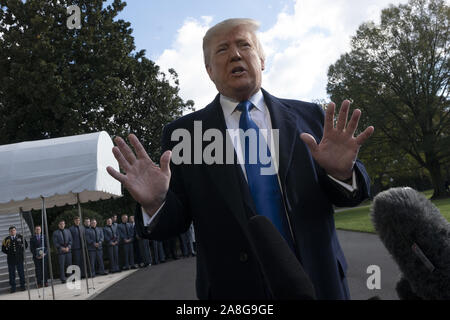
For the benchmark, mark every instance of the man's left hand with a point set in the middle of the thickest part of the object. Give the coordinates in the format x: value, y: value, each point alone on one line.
x: 338, y: 149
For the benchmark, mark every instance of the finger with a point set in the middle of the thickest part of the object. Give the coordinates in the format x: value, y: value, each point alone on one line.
x: 140, y: 151
x: 343, y: 115
x: 353, y: 123
x: 329, y: 118
x: 309, y: 141
x: 116, y: 175
x: 123, y: 163
x: 125, y: 150
x: 363, y: 136
x: 165, y: 162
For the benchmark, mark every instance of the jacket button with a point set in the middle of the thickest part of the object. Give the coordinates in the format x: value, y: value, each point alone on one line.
x: 243, y: 257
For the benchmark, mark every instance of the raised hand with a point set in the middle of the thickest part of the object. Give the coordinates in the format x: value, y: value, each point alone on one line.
x: 147, y: 183
x: 338, y: 149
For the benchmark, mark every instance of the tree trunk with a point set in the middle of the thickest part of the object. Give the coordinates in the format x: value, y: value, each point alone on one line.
x: 434, y: 167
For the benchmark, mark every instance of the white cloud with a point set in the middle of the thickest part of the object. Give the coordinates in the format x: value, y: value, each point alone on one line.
x: 299, y: 48
x: 186, y: 57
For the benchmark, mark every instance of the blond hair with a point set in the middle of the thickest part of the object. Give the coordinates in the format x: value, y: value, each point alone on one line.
x: 224, y: 26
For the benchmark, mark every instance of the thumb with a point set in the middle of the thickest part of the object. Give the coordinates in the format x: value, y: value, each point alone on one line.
x: 165, y: 162
x: 309, y: 141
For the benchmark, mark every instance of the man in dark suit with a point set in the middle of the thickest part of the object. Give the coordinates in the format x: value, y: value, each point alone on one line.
x: 77, y: 231
x: 38, y: 248
x: 62, y: 240
x: 314, y: 167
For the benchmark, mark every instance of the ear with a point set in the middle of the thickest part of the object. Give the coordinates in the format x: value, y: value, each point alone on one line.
x: 263, y: 64
x: 209, y: 70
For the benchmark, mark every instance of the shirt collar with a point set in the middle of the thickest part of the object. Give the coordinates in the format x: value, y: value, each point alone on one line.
x: 229, y: 105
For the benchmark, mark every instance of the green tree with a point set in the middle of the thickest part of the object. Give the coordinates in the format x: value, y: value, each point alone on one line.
x: 57, y: 81
x: 397, y: 73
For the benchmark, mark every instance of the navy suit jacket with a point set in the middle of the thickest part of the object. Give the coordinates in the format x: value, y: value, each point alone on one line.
x: 217, y: 199
x: 35, y: 244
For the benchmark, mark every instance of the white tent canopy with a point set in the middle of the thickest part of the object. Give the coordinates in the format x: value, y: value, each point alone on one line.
x: 57, y: 169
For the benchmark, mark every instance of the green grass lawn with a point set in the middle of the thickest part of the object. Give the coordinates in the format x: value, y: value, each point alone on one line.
x: 358, y: 219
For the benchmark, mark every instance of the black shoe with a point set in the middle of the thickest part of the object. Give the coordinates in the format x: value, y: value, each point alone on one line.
x: 133, y: 267
x: 23, y: 289
x: 146, y: 265
x: 12, y: 290
x: 63, y: 281
x: 104, y: 274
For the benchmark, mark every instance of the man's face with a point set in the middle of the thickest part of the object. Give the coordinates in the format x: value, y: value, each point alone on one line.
x: 12, y: 232
x: 61, y: 225
x: 124, y: 219
x: 37, y: 230
x: 108, y: 222
x: 131, y: 219
x: 77, y: 222
x: 234, y: 64
x: 93, y: 223
x: 87, y: 222
x: 114, y: 218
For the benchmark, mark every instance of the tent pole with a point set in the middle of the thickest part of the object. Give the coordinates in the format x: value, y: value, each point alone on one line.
x: 83, y: 247
x: 35, y: 278
x: 43, y: 245
x: 48, y: 247
x: 24, y: 252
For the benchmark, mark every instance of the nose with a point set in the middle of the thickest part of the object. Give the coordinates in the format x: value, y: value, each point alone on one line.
x: 235, y: 54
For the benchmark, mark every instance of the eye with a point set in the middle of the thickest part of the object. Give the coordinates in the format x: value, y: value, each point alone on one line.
x: 221, y: 49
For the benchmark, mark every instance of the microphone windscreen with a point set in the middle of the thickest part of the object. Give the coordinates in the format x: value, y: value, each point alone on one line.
x: 418, y: 237
x: 284, y: 273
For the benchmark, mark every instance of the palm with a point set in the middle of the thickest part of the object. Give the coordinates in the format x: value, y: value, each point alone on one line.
x: 338, y: 149
x: 147, y: 183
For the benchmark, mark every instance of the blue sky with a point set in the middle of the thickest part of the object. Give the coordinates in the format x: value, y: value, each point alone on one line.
x: 155, y: 23
x: 301, y: 39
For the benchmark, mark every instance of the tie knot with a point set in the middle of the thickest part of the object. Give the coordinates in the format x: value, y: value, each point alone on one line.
x: 245, y: 106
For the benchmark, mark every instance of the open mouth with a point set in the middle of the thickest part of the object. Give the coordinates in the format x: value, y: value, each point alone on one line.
x: 237, y: 71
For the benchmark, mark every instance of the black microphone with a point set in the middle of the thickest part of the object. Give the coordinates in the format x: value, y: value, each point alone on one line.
x: 284, y: 274
x: 418, y: 237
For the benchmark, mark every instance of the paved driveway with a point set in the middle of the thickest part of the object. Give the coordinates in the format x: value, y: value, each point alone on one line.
x: 175, y: 280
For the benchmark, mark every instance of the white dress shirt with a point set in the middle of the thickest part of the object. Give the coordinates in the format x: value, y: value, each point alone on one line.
x: 261, y: 116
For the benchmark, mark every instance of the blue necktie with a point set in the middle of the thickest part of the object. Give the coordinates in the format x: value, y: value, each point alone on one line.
x: 265, y: 189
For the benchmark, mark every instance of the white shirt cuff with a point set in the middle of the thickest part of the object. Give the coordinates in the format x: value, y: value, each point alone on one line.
x: 147, y: 219
x: 349, y: 187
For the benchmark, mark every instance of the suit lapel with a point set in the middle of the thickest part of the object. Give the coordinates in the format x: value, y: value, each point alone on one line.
x: 286, y: 122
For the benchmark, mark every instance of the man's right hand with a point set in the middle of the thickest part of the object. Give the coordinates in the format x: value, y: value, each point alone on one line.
x: 147, y: 183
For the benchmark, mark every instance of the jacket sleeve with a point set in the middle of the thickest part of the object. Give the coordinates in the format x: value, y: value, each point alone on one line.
x: 55, y: 241
x: 4, y: 249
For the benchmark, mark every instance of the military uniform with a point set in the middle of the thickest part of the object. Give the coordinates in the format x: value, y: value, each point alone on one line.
x: 111, y: 236
x: 13, y: 247
x: 93, y: 236
x: 126, y: 232
x: 62, y: 238
x: 77, y: 254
